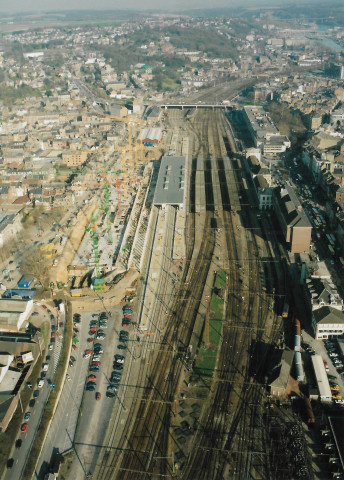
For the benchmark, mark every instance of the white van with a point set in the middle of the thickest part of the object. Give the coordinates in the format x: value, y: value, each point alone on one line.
x: 45, y: 367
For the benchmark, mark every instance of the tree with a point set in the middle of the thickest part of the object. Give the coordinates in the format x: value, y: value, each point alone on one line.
x: 35, y: 263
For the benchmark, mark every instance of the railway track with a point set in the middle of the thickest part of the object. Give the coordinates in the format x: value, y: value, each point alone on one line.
x: 225, y: 434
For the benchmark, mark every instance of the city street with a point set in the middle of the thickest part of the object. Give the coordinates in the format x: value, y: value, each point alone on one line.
x: 94, y: 415
x: 21, y: 455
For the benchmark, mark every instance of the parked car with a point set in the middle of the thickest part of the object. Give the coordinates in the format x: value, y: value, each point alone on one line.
x: 96, y: 364
x: 119, y: 358
x: 117, y: 366
x: 98, y: 396
x: 92, y: 377
x: 113, y: 388
x: 27, y: 416
x: 50, y: 346
x: 94, y: 368
x: 110, y: 394
x: 10, y: 463
x: 122, y: 346
x: 90, y: 388
x: 36, y: 394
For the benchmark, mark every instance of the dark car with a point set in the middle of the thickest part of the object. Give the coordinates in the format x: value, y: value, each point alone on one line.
x: 94, y: 369
x: 32, y: 402
x: 90, y: 388
x: 119, y: 357
x: 110, y: 394
x: 98, y: 345
x: 124, y: 333
x: 122, y: 347
x: 19, y: 442
x: 10, y: 463
x: 117, y: 366
x: 116, y: 375
x: 123, y: 339
x: 91, y: 383
x: 112, y: 388
x: 36, y: 394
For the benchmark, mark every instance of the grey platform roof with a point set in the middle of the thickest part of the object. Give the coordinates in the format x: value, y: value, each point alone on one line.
x: 170, y: 184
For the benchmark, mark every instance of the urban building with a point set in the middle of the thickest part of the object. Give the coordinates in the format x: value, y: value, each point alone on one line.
x: 293, y: 221
x: 327, y: 322
x: 14, y: 314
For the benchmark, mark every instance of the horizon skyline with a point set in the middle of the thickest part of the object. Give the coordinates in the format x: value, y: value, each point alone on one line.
x: 24, y: 7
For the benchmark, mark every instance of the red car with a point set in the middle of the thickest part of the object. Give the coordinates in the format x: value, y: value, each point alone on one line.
x: 92, y: 377
x: 98, y: 396
x: 93, y: 329
x: 90, y: 340
x: 127, y: 315
x: 53, y: 334
x: 45, y: 307
x: 23, y: 428
x: 88, y: 352
x: 96, y: 364
x: 125, y: 325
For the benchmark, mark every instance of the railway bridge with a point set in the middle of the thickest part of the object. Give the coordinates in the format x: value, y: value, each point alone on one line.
x: 197, y: 105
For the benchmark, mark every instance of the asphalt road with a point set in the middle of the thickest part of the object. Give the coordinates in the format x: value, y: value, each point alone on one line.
x: 62, y: 429
x: 94, y: 415
x: 21, y: 455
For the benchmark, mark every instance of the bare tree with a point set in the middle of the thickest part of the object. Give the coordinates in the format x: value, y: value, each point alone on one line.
x: 36, y: 264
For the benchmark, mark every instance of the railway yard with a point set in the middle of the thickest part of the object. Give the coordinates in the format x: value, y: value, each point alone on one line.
x: 207, y: 312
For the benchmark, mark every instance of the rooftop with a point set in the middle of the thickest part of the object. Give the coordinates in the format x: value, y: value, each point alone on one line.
x: 170, y: 184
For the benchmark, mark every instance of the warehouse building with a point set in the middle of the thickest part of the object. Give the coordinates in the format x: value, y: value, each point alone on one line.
x: 280, y: 374
x: 14, y: 314
x: 150, y: 136
x: 325, y: 394
x: 170, y: 188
